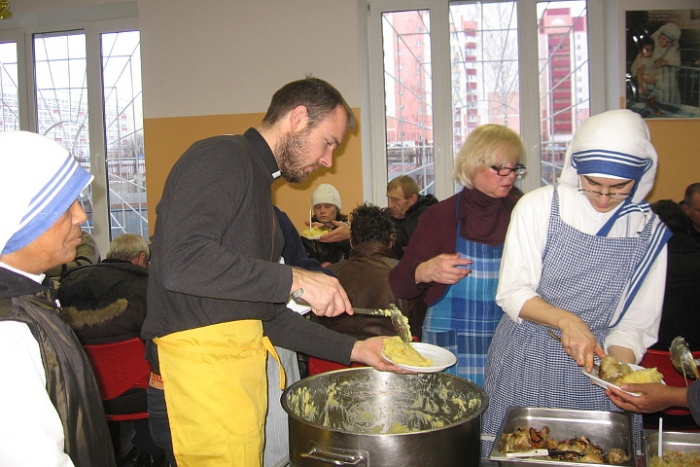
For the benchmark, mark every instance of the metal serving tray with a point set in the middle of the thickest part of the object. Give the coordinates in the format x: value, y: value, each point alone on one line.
x: 671, y: 440
x: 605, y: 429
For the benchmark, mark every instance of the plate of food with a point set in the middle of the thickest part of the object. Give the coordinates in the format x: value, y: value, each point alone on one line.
x: 314, y: 233
x: 417, y: 356
x: 612, y: 372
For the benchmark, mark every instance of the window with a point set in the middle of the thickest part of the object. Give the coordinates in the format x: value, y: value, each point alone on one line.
x: 474, y: 72
x: 95, y: 112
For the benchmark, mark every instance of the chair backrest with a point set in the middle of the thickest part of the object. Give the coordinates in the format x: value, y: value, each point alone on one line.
x: 661, y: 360
x: 119, y: 366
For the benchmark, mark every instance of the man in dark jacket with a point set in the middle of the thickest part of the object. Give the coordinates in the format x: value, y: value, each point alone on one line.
x: 406, y: 205
x: 364, y: 276
x: 50, y: 403
x: 106, y: 302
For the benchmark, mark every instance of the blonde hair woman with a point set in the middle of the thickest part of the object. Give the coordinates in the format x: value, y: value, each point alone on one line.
x: 454, y: 254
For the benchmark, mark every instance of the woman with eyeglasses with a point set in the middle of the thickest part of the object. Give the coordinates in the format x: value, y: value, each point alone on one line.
x: 454, y: 255
x: 585, y: 260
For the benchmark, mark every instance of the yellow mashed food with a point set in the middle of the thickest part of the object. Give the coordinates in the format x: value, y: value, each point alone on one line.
x: 676, y: 459
x: 314, y: 232
x: 646, y: 375
x: 400, y: 352
x: 616, y: 372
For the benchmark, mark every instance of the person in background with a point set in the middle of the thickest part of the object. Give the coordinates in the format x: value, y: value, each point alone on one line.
x: 294, y: 253
x: 50, y: 403
x: 691, y: 207
x: 680, y: 314
x: 584, y: 260
x: 364, y: 276
x: 455, y: 252
x: 217, y: 293
x: 326, y: 205
x: 104, y: 303
x: 86, y: 254
x: 406, y: 205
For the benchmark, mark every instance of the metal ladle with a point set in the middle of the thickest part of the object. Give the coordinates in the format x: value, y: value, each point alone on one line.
x: 682, y: 359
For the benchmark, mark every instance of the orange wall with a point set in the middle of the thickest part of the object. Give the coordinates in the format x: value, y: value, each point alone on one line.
x: 677, y: 143
x: 167, y: 138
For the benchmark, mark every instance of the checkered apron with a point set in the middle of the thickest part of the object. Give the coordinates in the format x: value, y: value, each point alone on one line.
x: 585, y: 274
x: 465, y: 318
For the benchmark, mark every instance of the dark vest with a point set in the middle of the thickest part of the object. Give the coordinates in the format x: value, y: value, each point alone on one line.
x: 70, y: 382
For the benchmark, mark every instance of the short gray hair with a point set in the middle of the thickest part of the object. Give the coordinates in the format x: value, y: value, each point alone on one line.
x: 127, y: 247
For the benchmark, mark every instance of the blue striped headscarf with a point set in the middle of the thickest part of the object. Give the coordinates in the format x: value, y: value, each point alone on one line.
x: 39, y: 180
x: 617, y: 144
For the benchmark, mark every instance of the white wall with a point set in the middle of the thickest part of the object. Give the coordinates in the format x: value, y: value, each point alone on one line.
x: 220, y: 56
x: 214, y: 57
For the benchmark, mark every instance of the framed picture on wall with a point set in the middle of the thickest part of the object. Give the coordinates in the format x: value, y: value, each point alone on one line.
x: 662, y: 69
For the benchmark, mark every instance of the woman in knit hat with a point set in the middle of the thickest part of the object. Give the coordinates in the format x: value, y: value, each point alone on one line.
x: 586, y: 260
x: 326, y: 204
x: 50, y: 403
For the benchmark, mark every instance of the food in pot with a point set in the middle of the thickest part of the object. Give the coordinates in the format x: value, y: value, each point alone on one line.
x: 579, y: 449
x: 615, y: 372
x: 400, y: 352
x: 315, y: 231
x: 676, y: 459
x: 404, y: 404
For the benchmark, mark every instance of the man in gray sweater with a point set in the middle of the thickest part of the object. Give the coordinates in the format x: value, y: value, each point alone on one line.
x: 217, y: 293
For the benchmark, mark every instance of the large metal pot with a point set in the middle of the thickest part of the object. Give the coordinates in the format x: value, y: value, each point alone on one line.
x: 366, y: 418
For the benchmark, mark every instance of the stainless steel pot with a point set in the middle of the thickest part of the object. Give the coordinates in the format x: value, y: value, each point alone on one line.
x: 366, y: 418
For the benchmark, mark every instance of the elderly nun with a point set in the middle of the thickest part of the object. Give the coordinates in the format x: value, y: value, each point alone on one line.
x: 586, y: 260
x: 51, y: 407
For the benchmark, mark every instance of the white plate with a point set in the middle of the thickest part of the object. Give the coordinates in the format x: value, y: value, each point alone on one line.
x: 441, y: 358
x: 312, y: 237
x: 604, y: 384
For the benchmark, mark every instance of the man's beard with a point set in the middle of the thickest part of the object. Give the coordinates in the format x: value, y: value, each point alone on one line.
x: 291, y: 153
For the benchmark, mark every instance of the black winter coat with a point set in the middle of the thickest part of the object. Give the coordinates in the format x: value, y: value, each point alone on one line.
x: 105, y: 302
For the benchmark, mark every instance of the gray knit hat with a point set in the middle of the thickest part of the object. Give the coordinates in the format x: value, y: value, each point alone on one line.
x: 326, y: 194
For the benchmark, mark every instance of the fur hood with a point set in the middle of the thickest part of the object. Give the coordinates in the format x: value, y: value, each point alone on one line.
x: 88, y: 318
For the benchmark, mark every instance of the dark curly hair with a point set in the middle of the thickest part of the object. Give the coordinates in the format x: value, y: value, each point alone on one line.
x: 369, y: 223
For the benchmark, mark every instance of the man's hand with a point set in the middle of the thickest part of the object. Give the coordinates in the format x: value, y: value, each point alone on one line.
x: 369, y: 352
x: 322, y: 292
x: 446, y: 268
x: 340, y: 233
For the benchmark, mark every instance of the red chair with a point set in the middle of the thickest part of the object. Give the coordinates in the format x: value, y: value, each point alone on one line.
x: 661, y: 360
x: 120, y: 366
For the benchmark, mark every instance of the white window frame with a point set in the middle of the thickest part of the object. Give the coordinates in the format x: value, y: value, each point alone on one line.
x: 374, y: 137
x: 92, y: 21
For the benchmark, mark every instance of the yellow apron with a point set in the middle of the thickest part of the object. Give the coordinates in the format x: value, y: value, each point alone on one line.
x: 215, y: 387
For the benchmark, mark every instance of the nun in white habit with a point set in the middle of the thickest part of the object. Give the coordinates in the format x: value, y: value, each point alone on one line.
x: 585, y: 259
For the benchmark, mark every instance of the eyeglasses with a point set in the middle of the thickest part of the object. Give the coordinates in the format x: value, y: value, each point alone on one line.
x: 594, y: 194
x: 519, y: 169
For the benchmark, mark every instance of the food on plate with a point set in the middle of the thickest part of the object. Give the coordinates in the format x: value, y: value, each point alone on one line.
x: 315, y: 231
x: 615, y: 372
x: 579, y: 449
x: 676, y: 459
x: 402, y: 353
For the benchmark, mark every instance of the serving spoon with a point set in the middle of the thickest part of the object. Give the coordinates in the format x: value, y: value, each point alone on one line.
x: 682, y: 359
